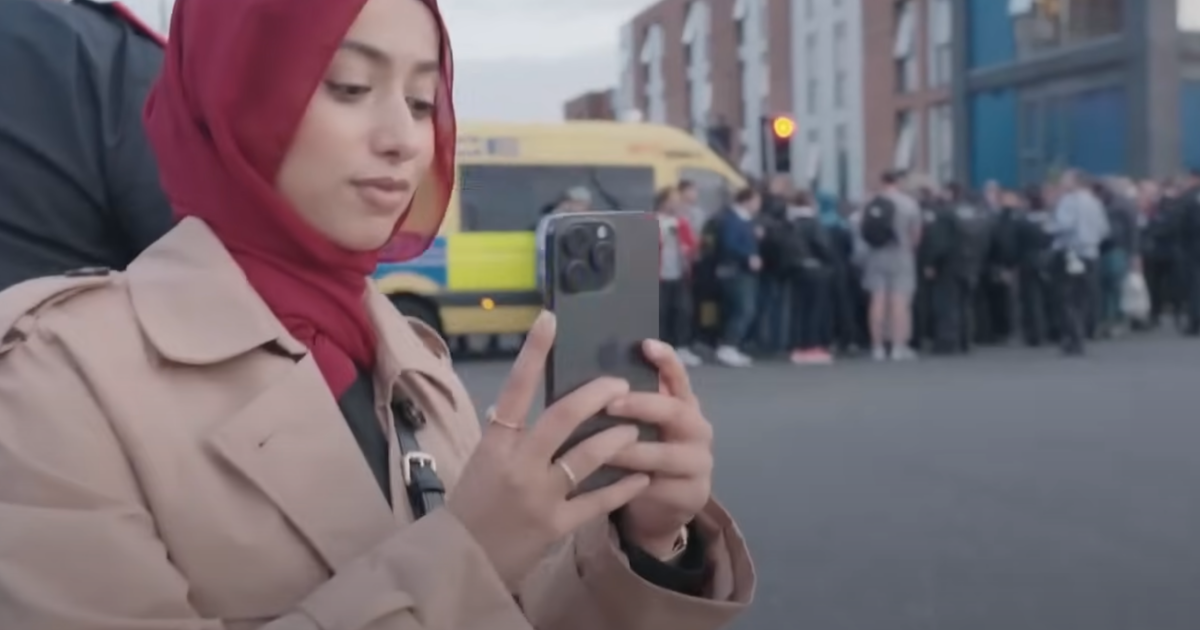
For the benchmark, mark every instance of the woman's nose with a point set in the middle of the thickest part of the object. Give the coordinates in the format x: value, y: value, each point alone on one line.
x: 398, y: 138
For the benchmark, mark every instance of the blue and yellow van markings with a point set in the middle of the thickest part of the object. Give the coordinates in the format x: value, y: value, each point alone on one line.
x: 416, y: 275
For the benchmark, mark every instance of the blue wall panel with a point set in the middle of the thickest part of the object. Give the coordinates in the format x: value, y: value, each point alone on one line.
x: 993, y: 137
x: 1189, y: 123
x: 990, y: 37
x: 1099, y: 131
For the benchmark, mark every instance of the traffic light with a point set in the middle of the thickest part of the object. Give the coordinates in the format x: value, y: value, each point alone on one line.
x: 782, y: 130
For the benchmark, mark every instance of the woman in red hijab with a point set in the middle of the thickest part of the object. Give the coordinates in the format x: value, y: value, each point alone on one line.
x: 240, y: 432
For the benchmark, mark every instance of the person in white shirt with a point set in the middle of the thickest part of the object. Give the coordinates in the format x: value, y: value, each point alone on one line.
x: 678, y: 249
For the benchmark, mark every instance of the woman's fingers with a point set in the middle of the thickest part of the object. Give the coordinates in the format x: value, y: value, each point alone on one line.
x: 591, y: 505
x: 678, y: 420
x: 671, y: 373
x: 512, y: 405
x: 559, y: 420
x: 664, y: 458
x: 589, y: 455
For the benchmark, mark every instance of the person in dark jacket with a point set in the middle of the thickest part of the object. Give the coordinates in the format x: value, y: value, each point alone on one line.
x: 1032, y: 251
x: 809, y: 259
x: 1187, y: 228
x: 738, y: 265
x: 971, y: 256
x: 939, y: 303
x: 79, y: 187
x: 1155, y: 244
x: 770, y: 330
x: 999, y: 280
x: 1120, y: 251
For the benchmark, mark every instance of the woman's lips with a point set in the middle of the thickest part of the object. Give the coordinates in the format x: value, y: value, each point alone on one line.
x: 384, y: 194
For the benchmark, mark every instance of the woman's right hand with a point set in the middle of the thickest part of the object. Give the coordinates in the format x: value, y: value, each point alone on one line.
x: 512, y: 496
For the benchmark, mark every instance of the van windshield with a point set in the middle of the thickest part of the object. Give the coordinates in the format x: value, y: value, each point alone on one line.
x: 511, y: 198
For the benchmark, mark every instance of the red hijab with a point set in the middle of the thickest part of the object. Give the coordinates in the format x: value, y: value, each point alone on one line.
x: 236, y: 82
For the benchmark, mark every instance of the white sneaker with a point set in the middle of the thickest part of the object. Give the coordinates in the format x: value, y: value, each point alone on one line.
x: 904, y: 353
x: 688, y: 358
x: 879, y: 354
x: 731, y: 357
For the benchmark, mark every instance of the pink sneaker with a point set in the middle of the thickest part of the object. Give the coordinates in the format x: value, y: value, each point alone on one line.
x: 815, y: 356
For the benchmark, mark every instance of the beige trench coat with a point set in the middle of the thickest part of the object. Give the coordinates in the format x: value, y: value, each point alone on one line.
x: 171, y: 459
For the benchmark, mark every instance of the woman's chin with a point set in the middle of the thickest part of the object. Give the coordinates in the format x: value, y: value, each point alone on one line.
x: 369, y: 235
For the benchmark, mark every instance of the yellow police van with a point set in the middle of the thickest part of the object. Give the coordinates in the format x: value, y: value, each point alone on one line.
x: 479, y: 277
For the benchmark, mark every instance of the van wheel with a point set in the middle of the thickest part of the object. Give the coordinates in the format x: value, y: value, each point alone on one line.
x: 419, y: 309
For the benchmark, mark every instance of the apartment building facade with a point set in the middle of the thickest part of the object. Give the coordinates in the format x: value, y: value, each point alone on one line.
x: 864, y: 80
x: 1104, y: 85
x: 713, y: 67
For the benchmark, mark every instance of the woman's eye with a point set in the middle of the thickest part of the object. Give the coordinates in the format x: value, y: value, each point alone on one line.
x: 347, y: 91
x: 421, y: 108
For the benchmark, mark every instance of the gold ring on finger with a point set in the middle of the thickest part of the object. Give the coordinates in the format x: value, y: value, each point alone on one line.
x: 493, y: 418
x: 566, y: 468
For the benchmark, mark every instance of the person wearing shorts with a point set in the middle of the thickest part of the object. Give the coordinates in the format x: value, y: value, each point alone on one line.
x: 890, y: 275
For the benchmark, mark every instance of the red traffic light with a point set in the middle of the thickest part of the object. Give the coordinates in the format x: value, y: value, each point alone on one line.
x: 783, y: 127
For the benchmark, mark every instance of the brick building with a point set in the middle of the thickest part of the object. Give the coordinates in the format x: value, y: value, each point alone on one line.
x: 865, y: 80
x: 594, y: 105
x: 907, y: 115
x: 712, y: 66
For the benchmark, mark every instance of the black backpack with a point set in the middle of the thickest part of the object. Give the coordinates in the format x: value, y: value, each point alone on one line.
x: 878, y: 227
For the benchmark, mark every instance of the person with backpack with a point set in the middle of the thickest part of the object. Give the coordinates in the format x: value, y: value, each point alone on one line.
x: 889, y: 230
x: 79, y: 190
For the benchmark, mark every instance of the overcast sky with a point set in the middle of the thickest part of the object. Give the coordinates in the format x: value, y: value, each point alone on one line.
x: 520, y: 59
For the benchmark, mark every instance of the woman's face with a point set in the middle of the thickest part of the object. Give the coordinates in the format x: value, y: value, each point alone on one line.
x: 367, y: 139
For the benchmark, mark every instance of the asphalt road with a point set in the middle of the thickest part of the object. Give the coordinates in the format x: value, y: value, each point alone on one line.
x: 1011, y: 490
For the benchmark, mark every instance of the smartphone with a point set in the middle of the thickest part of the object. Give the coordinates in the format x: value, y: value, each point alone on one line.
x: 601, y: 281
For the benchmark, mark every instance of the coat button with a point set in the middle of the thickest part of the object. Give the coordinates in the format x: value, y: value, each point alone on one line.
x: 88, y: 272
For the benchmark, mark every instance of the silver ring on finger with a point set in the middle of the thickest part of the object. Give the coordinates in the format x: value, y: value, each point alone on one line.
x: 493, y: 418
x: 572, y: 479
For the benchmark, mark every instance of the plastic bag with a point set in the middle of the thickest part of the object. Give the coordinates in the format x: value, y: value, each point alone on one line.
x: 1135, y: 297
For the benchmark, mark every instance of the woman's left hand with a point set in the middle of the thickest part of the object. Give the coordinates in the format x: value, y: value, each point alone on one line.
x: 680, y: 464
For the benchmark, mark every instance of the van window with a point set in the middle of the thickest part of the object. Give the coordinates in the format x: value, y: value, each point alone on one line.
x: 511, y: 198
x: 714, y: 191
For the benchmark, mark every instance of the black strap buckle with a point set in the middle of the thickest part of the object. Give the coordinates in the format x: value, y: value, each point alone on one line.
x: 418, y: 468
x: 415, y: 459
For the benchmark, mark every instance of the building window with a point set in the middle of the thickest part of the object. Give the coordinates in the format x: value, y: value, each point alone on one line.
x: 941, y: 53
x: 811, y: 70
x: 1046, y: 25
x: 1188, y: 16
x: 904, y: 52
x: 906, y: 140
x: 812, y: 157
x: 839, y: 65
x: 941, y: 142
x: 651, y: 59
x: 696, y: 68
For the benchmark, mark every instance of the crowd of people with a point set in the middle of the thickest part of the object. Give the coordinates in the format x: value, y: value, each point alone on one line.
x: 925, y: 268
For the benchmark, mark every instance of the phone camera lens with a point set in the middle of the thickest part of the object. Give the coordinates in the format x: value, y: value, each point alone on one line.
x: 576, y: 240
x: 576, y: 276
x: 603, y: 258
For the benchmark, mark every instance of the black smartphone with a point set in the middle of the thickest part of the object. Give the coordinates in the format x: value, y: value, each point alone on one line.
x: 601, y: 282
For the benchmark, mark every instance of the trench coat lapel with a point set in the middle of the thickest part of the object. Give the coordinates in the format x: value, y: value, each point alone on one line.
x: 292, y: 443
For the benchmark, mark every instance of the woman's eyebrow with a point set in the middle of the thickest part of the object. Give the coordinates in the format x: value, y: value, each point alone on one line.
x: 373, y: 54
x: 379, y: 57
